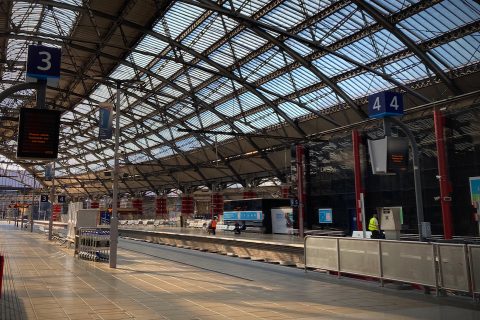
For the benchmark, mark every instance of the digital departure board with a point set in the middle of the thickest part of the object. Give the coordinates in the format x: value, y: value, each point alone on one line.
x: 38, y: 134
x: 397, y: 154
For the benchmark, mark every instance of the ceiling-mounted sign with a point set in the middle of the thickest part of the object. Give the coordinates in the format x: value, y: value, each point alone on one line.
x: 105, y: 130
x: 385, y: 104
x: 44, y: 198
x: 388, y: 155
x: 48, y: 172
x: 43, y: 63
x: 61, y: 199
x: 38, y: 134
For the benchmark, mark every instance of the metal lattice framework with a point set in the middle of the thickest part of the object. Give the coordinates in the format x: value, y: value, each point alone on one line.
x: 227, y: 86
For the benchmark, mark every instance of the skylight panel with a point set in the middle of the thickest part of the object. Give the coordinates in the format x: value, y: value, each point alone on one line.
x: 282, y: 17
x: 264, y: 118
x: 460, y: 52
x: 320, y: 99
x: 229, y: 108
x: 140, y: 59
x: 152, y: 45
x: 243, y: 128
x: 363, y: 85
x: 188, y: 144
x: 17, y: 50
x: 303, y: 77
x: 292, y: 110
x: 26, y: 15
x: 170, y: 134
x: 247, y: 8
x: 162, y: 152
x: 438, y: 19
x: 207, y: 33
x: 83, y: 108
x: 331, y: 65
x: 101, y: 93
x: 298, y: 47
x: 123, y: 72
x: 391, y: 6
x: 169, y: 69
x: 177, y: 19
x: 222, y: 56
x: 209, y: 118
x: 406, y: 70
x: 280, y: 85
x: 58, y: 21
x: 336, y: 27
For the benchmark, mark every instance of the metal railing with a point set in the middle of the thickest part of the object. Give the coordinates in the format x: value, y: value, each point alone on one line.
x: 442, y: 266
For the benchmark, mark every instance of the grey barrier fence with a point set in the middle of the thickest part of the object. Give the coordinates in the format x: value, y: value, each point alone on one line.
x: 441, y: 266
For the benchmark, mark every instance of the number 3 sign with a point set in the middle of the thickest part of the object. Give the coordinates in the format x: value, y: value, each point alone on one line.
x: 43, y: 63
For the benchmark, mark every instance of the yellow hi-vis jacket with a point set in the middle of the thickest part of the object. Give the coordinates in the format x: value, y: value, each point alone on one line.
x: 373, y: 224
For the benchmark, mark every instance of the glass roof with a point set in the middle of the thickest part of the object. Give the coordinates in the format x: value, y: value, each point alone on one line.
x: 244, y: 66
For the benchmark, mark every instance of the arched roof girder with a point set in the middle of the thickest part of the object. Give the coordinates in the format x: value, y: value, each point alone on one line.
x: 174, y: 119
x: 28, y: 169
x: 258, y: 25
x: 134, y: 121
x: 174, y: 43
x: 374, y: 13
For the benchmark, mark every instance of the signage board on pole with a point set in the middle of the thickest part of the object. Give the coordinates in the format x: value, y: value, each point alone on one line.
x: 105, y: 130
x: 384, y: 104
x: 38, y: 134
x: 43, y: 63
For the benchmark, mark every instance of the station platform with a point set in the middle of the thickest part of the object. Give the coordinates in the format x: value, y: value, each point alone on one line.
x: 44, y: 280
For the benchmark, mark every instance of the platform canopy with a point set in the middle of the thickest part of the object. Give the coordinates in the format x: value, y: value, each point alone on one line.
x: 227, y: 87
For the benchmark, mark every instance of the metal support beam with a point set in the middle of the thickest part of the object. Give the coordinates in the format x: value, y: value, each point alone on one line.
x: 445, y: 187
x: 409, y: 43
x: 416, y: 170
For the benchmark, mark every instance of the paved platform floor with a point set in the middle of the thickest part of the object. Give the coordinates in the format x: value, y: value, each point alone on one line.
x: 159, y: 282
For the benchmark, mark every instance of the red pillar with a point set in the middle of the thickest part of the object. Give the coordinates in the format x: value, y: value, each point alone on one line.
x: 358, y: 176
x: 2, y: 263
x: 216, y: 204
x: 249, y: 194
x: 187, y: 206
x: 285, y: 191
x: 445, y: 188
x: 161, y: 207
x: 138, y: 204
x: 301, y: 195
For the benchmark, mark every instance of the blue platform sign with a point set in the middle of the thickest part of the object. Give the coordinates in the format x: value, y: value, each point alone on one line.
x: 325, y: 215
x: 105, y: 130
x: 385, y: 104
x: 43, y: 63
x: 61, y: 199
x: 243, y: 215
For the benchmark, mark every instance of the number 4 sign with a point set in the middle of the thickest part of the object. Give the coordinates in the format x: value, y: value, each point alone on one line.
x: 43, y: 63
x: 385, y: 104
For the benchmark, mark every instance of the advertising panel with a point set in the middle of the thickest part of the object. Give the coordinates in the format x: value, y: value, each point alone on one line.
x: 282, y: 220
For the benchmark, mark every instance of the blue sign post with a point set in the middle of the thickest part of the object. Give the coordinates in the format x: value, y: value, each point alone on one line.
x: 43, y: 63
x: 385, y: 104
